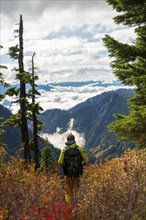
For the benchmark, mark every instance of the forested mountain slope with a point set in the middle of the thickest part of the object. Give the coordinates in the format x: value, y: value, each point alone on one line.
x: 91, y: 118
x: 12, y: 134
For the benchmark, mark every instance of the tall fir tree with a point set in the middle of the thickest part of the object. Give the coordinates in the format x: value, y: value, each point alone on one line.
x: 20, y: 119
x: 23, y: 100
x: 129, y: 66
x: 35, y: 110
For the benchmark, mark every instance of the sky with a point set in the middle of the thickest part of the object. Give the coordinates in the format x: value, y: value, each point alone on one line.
x: 66, y: 37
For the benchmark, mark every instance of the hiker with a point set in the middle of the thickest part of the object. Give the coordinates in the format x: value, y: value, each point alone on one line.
x: 72, y: 159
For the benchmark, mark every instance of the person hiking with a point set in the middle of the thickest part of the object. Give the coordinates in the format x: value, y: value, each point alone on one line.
x: 72, y: 159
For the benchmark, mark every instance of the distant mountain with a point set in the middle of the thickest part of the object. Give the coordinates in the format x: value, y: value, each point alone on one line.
x: 124, y: 93
x: 84, y: 83
x: 91, y: 118
x: 48, y: 86
x: 39, y: 87
x: 44, y: 87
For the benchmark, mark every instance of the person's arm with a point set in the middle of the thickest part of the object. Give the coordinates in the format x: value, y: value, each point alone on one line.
x: 84, y: 155
x: 61, y: 157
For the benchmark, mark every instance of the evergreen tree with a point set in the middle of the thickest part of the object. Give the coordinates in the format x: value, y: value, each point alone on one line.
x: 129, y: 66
x: 20, y: 119
x: 23, y: 100
x: 35, y: 110
x: 47, y: 158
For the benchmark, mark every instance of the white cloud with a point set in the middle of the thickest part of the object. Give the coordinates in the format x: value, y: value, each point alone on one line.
x: 74, y: 67
x: 60, y: 45
x: 64, y: 97
x: 58, y: 139
x: 125, y: 35
x: 66, y: 36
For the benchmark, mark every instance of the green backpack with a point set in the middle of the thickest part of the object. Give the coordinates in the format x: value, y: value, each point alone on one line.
x: 73, y: 159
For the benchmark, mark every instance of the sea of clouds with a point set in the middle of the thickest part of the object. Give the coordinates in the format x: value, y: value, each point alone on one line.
x: 64, y: 97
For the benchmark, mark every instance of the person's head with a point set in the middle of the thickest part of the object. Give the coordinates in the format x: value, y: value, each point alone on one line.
x: 70, y: 137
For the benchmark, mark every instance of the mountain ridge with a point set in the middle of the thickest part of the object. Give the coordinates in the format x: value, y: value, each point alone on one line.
x: 91, y: 118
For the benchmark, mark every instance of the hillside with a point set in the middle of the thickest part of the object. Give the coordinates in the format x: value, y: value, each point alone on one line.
x: 91, y: 118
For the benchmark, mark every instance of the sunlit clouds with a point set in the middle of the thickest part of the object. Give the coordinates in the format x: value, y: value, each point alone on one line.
x: 58, y: 138
x: 64, y: 98
x: 66, y: 37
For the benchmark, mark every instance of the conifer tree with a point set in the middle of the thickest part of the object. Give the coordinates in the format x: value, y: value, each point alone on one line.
x: 34, y: 111
x: 129, y: 66
x: 23, y: 100
x: 47, y: 158
x: 20, y: 119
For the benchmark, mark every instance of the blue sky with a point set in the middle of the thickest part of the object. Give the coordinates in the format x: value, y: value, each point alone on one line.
x: 66, y: 37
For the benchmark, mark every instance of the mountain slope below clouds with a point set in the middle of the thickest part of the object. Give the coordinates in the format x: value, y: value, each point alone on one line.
x: 99, y: 140
x: 12, y: 135
x: 91, y: 118
x: 53, y: 119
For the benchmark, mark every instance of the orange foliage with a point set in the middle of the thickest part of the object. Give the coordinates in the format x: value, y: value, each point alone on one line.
x: 22, y: 189
x: 113, y: 190
x: 116, y: 189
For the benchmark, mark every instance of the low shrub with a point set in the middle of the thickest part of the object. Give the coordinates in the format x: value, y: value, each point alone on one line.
x: 109, y: 191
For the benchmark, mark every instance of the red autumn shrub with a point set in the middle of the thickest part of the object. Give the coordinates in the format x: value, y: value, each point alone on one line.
x: 58, y: 210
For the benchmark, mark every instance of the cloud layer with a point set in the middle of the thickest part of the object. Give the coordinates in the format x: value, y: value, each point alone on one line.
x: 64, y: 97
x: 66, y: 36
